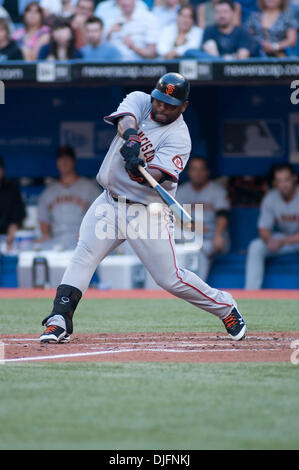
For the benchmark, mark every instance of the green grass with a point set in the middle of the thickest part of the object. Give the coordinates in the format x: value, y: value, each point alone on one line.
x: 144, y: 405
x: 24, y: 316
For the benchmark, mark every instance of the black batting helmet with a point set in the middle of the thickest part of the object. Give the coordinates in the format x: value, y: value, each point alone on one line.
x: 172, y: 88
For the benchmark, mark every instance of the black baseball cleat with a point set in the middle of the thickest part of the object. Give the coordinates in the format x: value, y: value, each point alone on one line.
x: 235, y: 325
x: 54, y: 334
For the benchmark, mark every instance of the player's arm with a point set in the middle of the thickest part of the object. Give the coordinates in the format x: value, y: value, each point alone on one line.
x: 290, y: 239
x: 127, y: 129
x: 265, y: 234
x: 221, y: 226
x: 45, y: 230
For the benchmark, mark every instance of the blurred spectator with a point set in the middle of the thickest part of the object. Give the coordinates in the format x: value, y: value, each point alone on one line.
x: 83, y: 10
x: 134, y: 32
x: 177, y: 38
x: 206, y: 13
x: 12, y: 208
x: 225, y: 39
x: 274, y: 28
x: 5, y: 16
x: 61, y: 45
x: 201, y: 190
x: 96, y: 48
x: 34, y: 34
x: 108, y: 10
x: 279, y: 209
x: 63, y: 204
x: 58, y: 8
x: 166, y: 12
x: 8, y: 48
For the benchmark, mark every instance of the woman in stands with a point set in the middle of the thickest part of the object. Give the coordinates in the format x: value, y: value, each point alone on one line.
x: 274, y: 28
x: 178, y: 37
x: 62, y: 44
x: 34, y: 34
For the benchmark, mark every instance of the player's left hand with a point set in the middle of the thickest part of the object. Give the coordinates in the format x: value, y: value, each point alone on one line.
x: 274, y: 244
x: 131, y: 148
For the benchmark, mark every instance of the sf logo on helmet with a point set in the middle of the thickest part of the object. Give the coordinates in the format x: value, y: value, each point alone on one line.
x: 169, y: 89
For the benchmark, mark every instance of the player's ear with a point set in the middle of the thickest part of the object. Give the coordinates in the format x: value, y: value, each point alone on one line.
x: 184, y: 106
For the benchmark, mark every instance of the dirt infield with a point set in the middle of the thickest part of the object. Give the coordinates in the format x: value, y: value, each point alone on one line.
x: 153, y: 347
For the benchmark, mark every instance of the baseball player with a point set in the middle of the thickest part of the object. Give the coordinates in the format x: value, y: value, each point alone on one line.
x: 201, y: 190
x: 63, y: 204
x: 280, y: 208
x: 150, y: 131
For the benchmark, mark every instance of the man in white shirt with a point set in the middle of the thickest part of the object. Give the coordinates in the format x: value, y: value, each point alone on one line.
x: 63, y: 8
x: 108, y: 10
x: 134, y: 31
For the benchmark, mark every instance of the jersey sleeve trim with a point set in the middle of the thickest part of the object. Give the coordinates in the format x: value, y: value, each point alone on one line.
x: 110, y: 119
x: 173, y: 177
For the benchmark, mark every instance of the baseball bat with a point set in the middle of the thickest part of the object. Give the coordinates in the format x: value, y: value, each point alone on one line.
x: 171, y: 202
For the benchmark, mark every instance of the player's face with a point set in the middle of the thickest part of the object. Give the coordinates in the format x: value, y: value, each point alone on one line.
x: 285, y: 182
x: 198, y: 172
x: 65, y: 165
x: 165, y: 113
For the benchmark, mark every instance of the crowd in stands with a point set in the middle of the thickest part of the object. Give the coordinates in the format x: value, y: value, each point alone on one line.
x: 133, y: 30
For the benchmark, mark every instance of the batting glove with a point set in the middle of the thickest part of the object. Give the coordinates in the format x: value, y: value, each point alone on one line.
x: 131, y: 147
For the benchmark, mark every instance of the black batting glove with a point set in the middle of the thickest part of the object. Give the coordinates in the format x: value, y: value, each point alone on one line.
x: 131, y: 147
x: 131, y: 167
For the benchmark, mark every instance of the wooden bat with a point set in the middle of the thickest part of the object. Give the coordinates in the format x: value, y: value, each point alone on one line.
x: 177, y: 209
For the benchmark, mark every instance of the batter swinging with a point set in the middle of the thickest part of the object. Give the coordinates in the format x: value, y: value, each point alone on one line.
x: 150, y: 131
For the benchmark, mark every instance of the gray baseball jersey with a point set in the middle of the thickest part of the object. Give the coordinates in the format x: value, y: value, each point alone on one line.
x: 64, y: 207
x: 213, y: 197
x: 275, y: 211
x: 166, y: 147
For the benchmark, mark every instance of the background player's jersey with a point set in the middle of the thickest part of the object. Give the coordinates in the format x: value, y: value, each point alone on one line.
x: 275, y: 211
x: 166, y: 147
x: 213, y: 197
x: 64, y: 207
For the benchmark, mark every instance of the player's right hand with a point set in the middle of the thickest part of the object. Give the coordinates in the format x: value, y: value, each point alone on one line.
x: 131, y: 167
x: 131, y: 147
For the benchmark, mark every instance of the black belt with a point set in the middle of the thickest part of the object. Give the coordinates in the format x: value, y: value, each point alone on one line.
x: 128, y: 201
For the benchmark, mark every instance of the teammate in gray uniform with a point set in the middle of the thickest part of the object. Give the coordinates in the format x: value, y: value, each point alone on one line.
x: 63, y: 204
x: 280, y: 208
x: 201, y: 190
x: 150, y: 130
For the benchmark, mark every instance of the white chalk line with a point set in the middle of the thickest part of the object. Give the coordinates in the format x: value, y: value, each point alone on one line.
x: 97, y: 353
